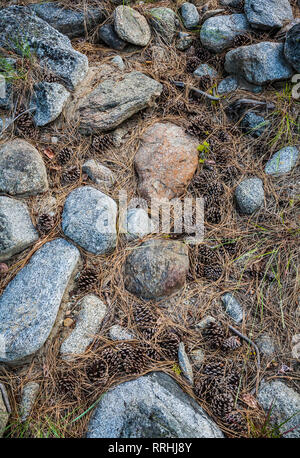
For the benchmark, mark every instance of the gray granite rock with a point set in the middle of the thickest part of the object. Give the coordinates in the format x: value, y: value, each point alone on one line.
x: 217, y: 33
x: 164, y: 21
x: 157, y: 268
x: 7, y: 75
x: 138, y: 224
x: 119, y: 62
x: 131, y: 26
x: 249, y: 195
x: 232, y: 307
x: 49, y: 100
x: 88, y: 324
x: 99, y: 174
x: 190, y: 15
x: 285, y: 404
x: 246, y: 86
x: 254, y: 124
x: 184, y: 41
x: 265, y: 345
x: 108, y: 35
x: 227, y: 85
x: 234, y: 3
x: 70, y: 22
x: 283, y: 161
x: 117, y: 332
x: 260, y: 63
x: 152, y: 406
x: 23, y: 31
x: 205, y: 322
x: 29, y: 395
x: 4, y: 415
x: 116, y: 99
x: 22, y: 170
x: 30, y: 302
x: 205, y: 70
x: 16, y: 229
x: 292, y: 47
x: 185, y: 364
x: 89, y: 219
x: 268, y: 14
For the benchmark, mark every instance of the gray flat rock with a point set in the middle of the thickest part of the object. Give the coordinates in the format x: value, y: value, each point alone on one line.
x: 190, y: 15
x: 164, y: 21
x: 29, y: 395
x: 283, y: 161
x: 30, y: 302
x: 232, y: 307
x: 89, y: 219
x: 108, y: 35
x: 185, y: 364
x: 138, y: 224
x: 16, y: 229
x: 249, y: 195
x: 49, y: 100
x: 152, y: 406
x: 268, y: 14
x: 117, y: 332
x: 98, y: 173
x: 131, y: 26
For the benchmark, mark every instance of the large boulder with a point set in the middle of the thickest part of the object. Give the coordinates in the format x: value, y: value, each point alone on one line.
x: 114, y: 100
x: 218, y: 33
x: 165, y: 161
x: 89, y: 219
x: 16, y: 229
x: 49, y: 100
x: 268, y: 14
x: 157, y: 268
x: 22, y: 170
x: 261, y: 63
x: 72, y: 23
x: 152, y: 406
x: 292, y: 47
x: 284, y: 403
x: 131, y: 26
x: 25, y: 33
x: 30, y: 303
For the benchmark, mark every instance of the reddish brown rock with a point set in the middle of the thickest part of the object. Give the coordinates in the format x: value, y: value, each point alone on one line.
x: 166, y: 161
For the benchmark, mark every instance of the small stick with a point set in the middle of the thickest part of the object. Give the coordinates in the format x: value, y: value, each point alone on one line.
x: 5, y: 397
x: 194, y: 89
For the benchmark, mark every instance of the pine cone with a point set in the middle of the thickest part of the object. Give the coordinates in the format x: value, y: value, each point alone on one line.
x: 144, y: 315
x: 230, y: 175
x: 222, y: 403
x: 101, y: 142
x: 97, y: 371
x: 67, y: 386
x: 233, y: 379
x: 45, y: 223
x: 25, y: 125
x: 70, y: 176
x: 236, y: 421
x: 241, y: 40
x: 213, y: 215
x: 169, y: 343
x: 205, y: 82
x: 215, y: 334
x: 192, y: 63
x: 230, y: 247
x: 213, y: 272
x: 202, y: 53
x: 206, y: 255
x: 87, y: 280
x: 64, y: 156
x: 232, y: 343
x: 198, y: 126
x: 215, y: 369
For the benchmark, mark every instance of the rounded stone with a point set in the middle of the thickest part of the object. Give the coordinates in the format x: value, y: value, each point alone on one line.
x: 190, y: 15
x: 250, y: 195
x: 283, y: 161
x: 292, y: 47
x: 131, y: 26
x: 157, y: 268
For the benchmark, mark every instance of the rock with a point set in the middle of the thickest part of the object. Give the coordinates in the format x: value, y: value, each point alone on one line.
x: 210, y: 13
x: 217, y: 33
x: 205, y: 322
x: 29, y: 395
x: 116, y: 99
x: 268, y: 14
x: 118, y: 61
x: 185, y: 364
x: 49, y: 99
x: 7, y: 73
x: 108, y: 34
x: 164, y: 21
x: 98, y: 173
x: 234, y: 3
x: 131, y: 26
x: 253, y: 124
x: 232, y: 307
x: 157, y: 268
x: 67, y: 21
x: 22, y: 170
x: 292, y: 47
x: 165, y: 161
x: 296, y: 347
x: 205, y: 70
x: 53, y: 49
x: 285, y: 404
x: 117, y: 332
x: 259, y: 64
x: 4, y: 124
x: 138, y: 224
x: 246, y: 86
x: 4, y: 415
x: 250, y: 195
x: 184, y: 41
x: 283, y: 161
x: 198, y: 357
x: 152, y: 406
x: 92, y: 313
x: 190, y: 15
x: 89, y: 219
x: 227, y: 85
x: 265, y: 345
x: 30, y: 302
x: 16, y: 229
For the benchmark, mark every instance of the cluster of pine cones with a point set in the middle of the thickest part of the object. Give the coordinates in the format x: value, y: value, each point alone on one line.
x: 206, y: 185
x: 214, y: 333
x: 101, y: 143
x: 24, y: 125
